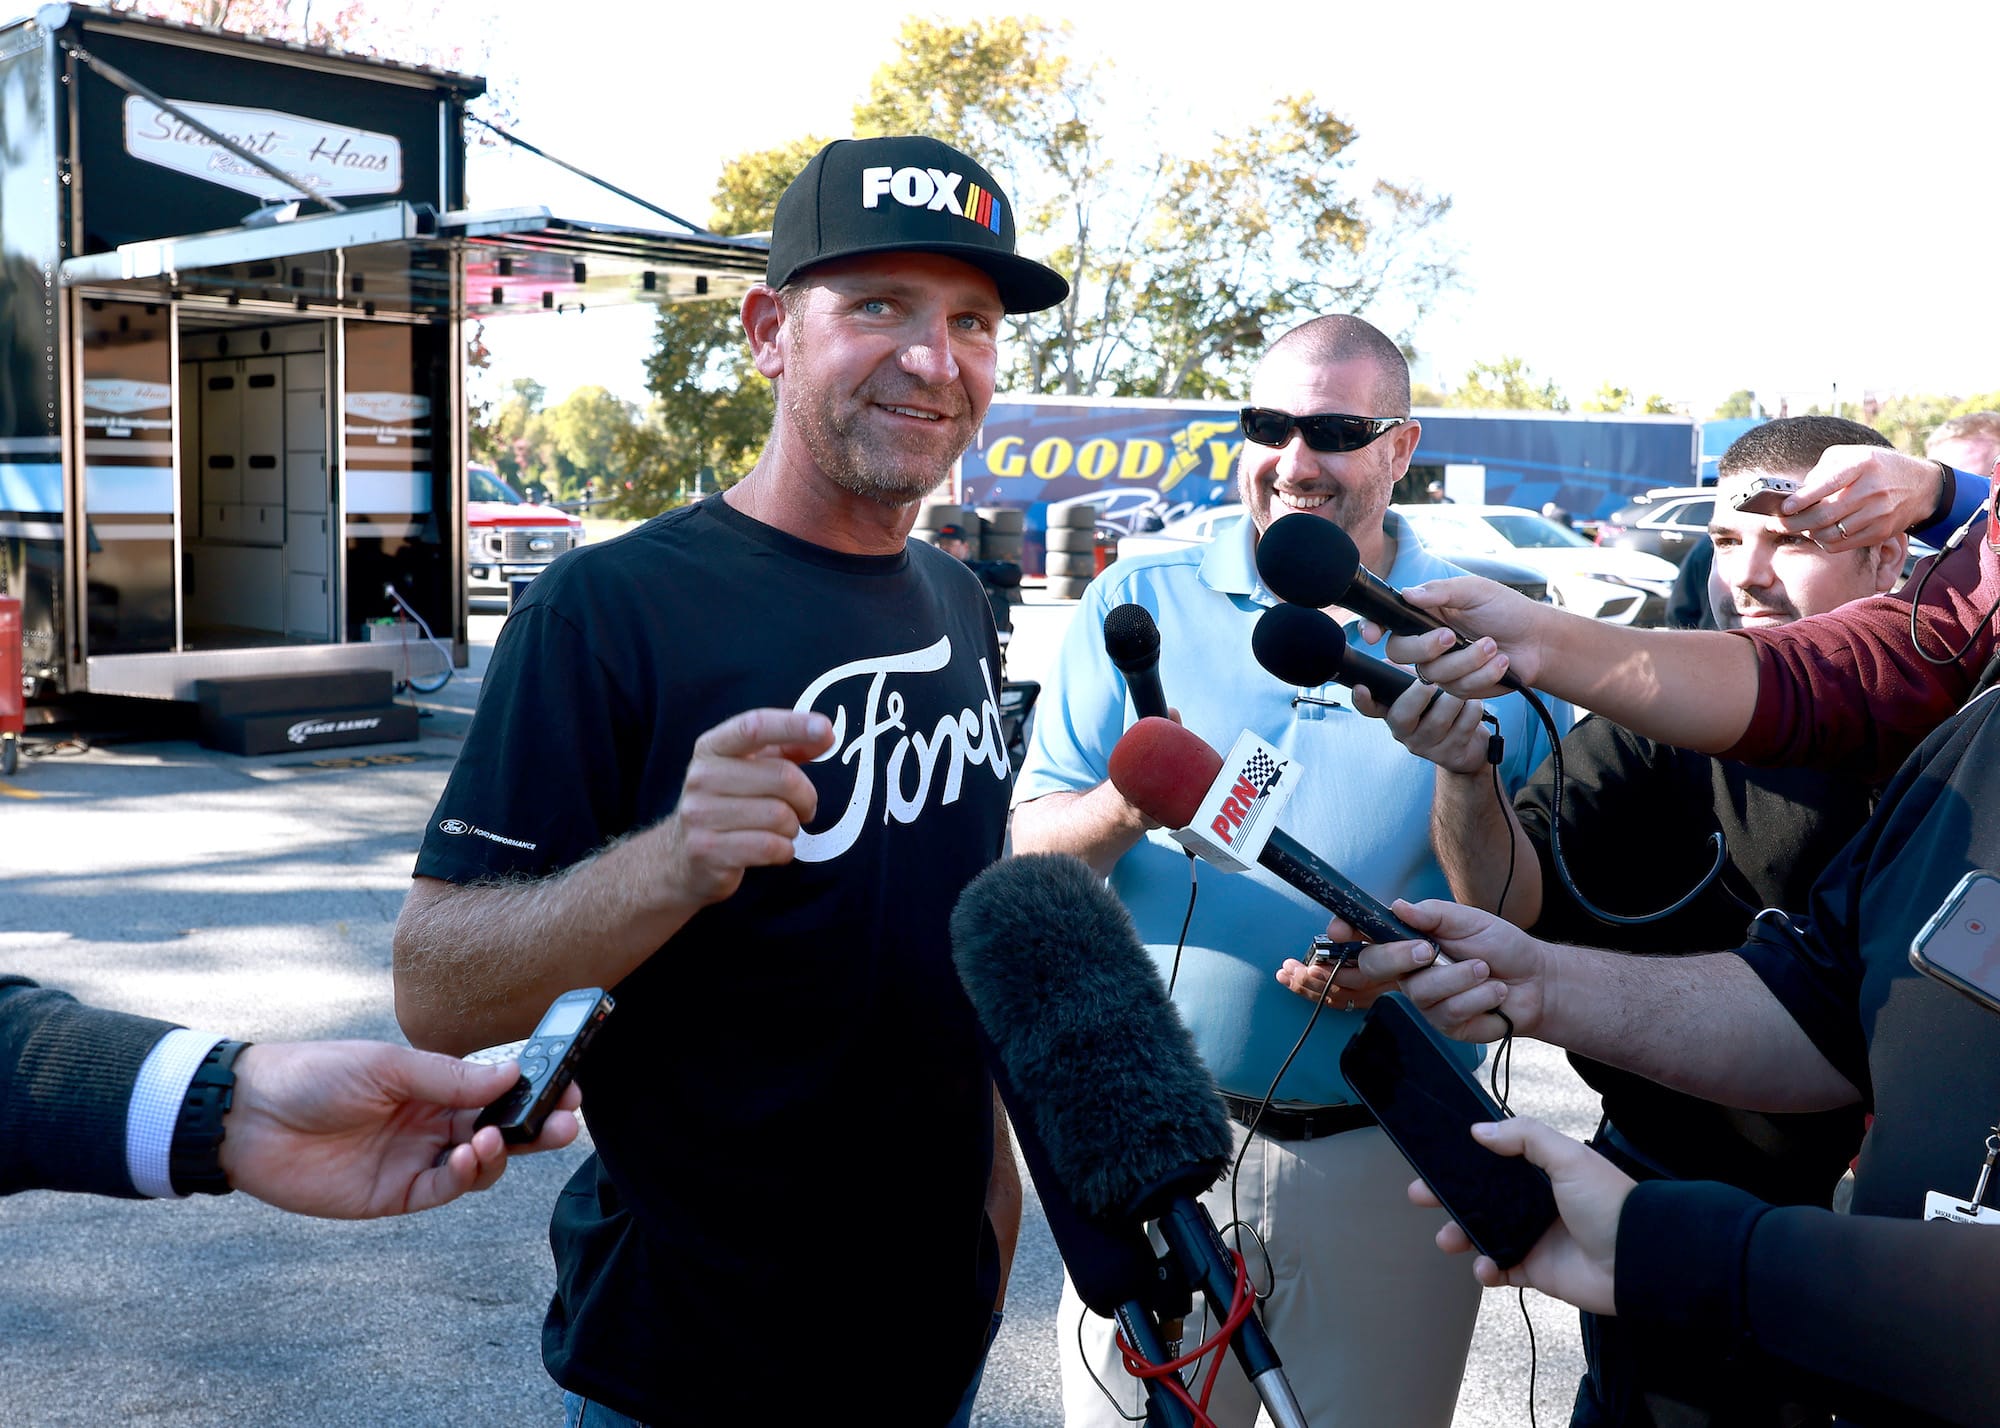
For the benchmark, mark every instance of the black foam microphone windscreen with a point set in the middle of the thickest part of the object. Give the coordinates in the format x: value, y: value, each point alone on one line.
x: 1307, y: 560
x: 1102, y: 1068
x: 1308, y: 648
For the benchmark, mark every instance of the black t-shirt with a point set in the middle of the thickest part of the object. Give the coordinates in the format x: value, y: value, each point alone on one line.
x: 793, y: 1126
x: 1927, y: 1059
x: 1637, y: 820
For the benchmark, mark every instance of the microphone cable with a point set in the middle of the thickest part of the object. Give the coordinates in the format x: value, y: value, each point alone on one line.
x: 1931, y: 564
x: 1556, y: 837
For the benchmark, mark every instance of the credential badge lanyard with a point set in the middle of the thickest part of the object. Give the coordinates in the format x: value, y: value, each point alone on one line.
x: 1940, y: 1206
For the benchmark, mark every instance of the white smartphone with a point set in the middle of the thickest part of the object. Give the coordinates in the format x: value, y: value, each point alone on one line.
x: 1960, y: 944
x: 1763, y: 496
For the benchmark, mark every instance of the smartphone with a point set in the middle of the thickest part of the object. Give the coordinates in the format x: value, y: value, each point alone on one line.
x: 1405, y: 1071
x: 1960, y: 945
x: 548, y: 1063
x: 1763, y: 496
x: 1328, y: 952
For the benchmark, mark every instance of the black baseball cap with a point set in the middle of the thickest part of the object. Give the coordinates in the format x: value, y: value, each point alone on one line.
x: 906, y: 194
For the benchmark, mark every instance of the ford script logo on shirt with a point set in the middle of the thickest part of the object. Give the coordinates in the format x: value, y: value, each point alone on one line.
x: 907, y: 765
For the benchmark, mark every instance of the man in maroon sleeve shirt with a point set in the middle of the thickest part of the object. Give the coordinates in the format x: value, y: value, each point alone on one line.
x: 1857, y: 687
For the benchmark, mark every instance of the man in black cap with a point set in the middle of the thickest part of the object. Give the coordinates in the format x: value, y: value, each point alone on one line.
x: 738, y: 765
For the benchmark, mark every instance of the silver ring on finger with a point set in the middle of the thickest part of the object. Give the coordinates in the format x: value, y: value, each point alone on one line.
x: 1841, y: 526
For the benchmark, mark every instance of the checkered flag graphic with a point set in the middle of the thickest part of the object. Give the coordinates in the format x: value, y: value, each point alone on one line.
x: 1262, y: 771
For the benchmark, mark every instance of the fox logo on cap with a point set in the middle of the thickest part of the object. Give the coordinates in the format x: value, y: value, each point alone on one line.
x: 917, y: 195
x: 930, y: 189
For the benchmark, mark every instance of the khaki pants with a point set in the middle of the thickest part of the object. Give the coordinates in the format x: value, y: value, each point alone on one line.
x: 1372, y: 1321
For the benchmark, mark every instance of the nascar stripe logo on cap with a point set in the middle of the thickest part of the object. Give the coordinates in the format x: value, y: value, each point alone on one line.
x: 931, y: 189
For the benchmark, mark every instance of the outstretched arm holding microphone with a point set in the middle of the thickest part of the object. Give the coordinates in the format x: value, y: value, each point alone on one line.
x: 1859, y: 686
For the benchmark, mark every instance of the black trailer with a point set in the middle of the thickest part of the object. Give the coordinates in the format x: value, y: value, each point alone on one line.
x: 231, y: 421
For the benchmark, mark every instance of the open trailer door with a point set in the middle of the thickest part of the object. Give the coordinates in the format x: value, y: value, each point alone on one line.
x: 306, y: 379
x: 233, y: 435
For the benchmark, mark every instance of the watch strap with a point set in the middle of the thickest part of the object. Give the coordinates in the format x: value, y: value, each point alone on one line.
x: 194, y: 1164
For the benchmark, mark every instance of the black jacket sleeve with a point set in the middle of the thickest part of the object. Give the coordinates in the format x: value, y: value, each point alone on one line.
x: 1878, y: 1320
x: 66, y: 1077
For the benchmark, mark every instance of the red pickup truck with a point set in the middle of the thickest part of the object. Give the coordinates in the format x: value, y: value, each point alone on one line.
x: 509, y: 536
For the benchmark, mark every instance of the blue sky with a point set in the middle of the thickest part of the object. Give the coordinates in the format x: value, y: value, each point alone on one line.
x: 1686, y: 199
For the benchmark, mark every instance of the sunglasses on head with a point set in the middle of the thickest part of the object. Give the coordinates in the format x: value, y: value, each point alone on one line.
x: 1325, y: 431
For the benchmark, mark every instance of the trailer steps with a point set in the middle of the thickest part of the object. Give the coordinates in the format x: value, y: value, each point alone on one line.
x: 276, y: 714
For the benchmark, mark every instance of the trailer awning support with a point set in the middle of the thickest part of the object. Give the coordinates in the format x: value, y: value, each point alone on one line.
x: 396, y: 259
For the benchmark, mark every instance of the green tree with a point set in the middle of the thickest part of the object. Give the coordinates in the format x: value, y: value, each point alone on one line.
x: 1742, y: 403
x: 1182, y: 267
x: 711, y: 408
x: 1507, y: 384
x: 585, y: 434
x: 507, y: 435
x: 1909, y: 420
x: 408, y: 30
x: 1611, y: 397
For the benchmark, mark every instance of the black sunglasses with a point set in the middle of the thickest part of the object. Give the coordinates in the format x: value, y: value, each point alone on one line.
x: 1324, y: 431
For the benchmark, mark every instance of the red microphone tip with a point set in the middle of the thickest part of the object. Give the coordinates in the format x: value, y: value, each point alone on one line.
x: 1162, y: 770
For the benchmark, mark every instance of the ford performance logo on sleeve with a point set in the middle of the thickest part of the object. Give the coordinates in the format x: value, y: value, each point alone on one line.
x: 458, y: 826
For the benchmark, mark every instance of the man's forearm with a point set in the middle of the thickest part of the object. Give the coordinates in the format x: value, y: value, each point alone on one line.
x: 1704, y: 1025
x: 477, y: 965
x: 1478, y: 842
x: 1004, y: 1198
x: 1099, y: 827
x: 1693, y: 688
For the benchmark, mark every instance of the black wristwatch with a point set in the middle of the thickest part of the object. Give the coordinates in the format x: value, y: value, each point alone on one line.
x: 194, y: 1164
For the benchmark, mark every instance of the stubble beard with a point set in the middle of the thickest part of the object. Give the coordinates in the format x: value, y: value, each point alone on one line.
x: 864, y: 463
x: 1353, y: 510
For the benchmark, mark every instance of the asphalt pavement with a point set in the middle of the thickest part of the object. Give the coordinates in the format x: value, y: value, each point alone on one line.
x: 257, y: 896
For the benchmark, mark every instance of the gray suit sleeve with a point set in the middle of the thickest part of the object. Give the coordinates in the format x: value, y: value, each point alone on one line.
x: 66, y: 1077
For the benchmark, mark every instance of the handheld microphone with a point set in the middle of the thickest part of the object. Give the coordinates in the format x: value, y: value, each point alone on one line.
x: 1305, y: 647
x: 1308, y: 560
x: 1132, y: 641
x: 1115, y: 1113
x: 1168, y: 774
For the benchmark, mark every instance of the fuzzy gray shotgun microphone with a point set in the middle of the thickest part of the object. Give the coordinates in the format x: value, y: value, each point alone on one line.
x: 1119, y: 1120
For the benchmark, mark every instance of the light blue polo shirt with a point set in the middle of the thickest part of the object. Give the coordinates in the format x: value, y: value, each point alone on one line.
x: 1363, y: 802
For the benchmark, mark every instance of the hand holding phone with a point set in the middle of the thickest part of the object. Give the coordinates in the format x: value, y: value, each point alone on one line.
x: 548, y: 1063
x: 1404, y: 1070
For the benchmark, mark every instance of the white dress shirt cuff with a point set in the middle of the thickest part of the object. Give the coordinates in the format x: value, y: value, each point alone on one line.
x: 156, y: 1104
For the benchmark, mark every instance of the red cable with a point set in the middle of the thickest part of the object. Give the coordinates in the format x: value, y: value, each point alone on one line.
x: 1139, y: 1367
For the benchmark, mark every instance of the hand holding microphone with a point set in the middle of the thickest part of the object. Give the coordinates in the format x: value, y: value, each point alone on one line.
x: 1306, y: 560
x: 1307, y: 648
x: 1174, y: 778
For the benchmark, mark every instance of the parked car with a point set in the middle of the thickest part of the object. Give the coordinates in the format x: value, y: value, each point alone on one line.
x: 1666, y: 522
x: 508, y: 535
x: 1196, y: 528
x: 1624, y: 587
x: 1204, y: 525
